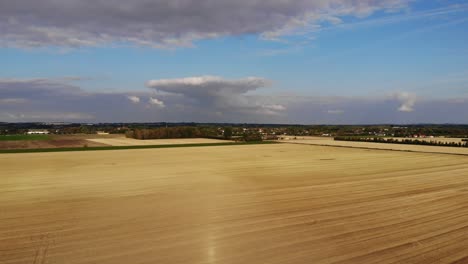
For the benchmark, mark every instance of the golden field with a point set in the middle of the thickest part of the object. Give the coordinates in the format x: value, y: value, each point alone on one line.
x: 123, y: 141
x: 281, y: 203
x: 328, y: 141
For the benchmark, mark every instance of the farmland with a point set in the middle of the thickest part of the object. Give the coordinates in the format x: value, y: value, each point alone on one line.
x: 279, y: 203
x: 12, y: 142
x: 327, y: 141
x: 23, y: 137
x: 123, y: 141
x: 33, y: 143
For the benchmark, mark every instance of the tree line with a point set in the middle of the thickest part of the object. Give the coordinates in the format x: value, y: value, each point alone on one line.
x: 190, y: 132
x: 169, y: 132
x: 404, y: 141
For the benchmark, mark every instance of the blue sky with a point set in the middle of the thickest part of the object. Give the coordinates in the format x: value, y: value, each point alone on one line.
x: 395, y: 51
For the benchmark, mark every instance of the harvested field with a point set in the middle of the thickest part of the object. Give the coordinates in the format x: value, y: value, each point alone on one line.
x: 324, y: 141
x: 123, y: 141
x: 77, y: 141
x: 23, y: 137
x: 281, y: 203
x: 53, y: 143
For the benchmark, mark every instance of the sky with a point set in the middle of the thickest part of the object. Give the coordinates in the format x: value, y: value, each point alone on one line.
x: 243, y: 61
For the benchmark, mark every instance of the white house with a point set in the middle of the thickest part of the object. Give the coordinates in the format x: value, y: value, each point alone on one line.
x: 38, y: 132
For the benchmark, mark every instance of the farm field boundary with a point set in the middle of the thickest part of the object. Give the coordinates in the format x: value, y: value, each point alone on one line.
x: 302, y: 204
x: 24, y: 137
x: 123, y: 141
x: 7, y: 151
x: 386, y: 147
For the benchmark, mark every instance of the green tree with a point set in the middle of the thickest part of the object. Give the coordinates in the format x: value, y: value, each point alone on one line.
x: 252, y: 136
x: 227, y: 133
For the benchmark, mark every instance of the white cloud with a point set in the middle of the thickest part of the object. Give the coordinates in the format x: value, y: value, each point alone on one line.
x: 408, y: 16
x: 44, y: 116
x: 156, y: 102
x: 407, y: 100
x: 134, y: 99
x: 215, y: 99
x: 169, y: 24
x: 335, y: 112
x: 212, y: 85
x: 275, y: 107
x: 405, y: 108
x: 215, y: 93
x: 12, y: 100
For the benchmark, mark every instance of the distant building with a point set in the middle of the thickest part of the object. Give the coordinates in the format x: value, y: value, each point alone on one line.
x: 102, y: 133
x: 38, y: 132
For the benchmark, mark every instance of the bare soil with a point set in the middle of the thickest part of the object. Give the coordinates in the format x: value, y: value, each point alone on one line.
x: 281, y: 203
x: 53, y: 143
x: 123, y: 141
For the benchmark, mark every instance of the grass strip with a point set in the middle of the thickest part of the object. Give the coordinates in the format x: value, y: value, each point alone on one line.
x: 39, y: 150
x: 23, y: 137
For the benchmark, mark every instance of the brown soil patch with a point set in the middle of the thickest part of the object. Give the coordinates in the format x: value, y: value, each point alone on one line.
x: 270, y: 204
x: 54, y: 143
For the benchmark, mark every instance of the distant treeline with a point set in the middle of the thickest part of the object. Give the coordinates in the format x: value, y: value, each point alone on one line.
x: 403, y: 141
x: 190, y: 132
x: 169, y: 132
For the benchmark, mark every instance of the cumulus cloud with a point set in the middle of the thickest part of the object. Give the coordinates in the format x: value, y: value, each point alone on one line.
x: 53, y: 99
x: 213, y: 99
x: 407, y: 101
x: 156, y: 102
x: 208, y: 85
x: 218, y: 94
x: 272, y: 110
x: 134, y: 99
x: 163, y: 24
x: 275, y: 107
